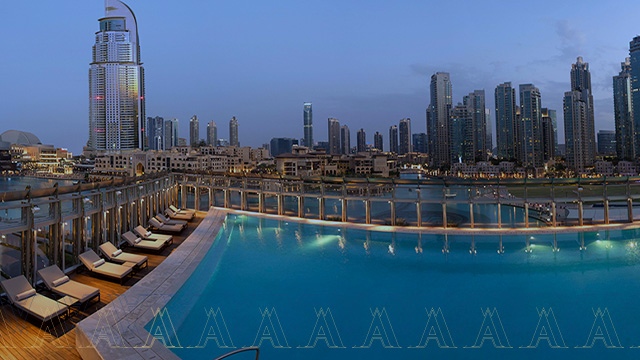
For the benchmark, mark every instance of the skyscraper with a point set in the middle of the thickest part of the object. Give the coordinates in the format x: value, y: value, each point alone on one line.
x: 334, y: 136
x: 623, y: 112
x: 579, y: 131
x: 233, y: 132
x: 176, y: 132
x: 420, y: 143
x: 438, y: 119
x: 607, y: 143
x: 194, y: 131
x: 307, y: 116
x: 377, y: 141
x: 169, y: 140
x: 475, y: 102
x: 404, y: 144
x: 116, y: 83
x: 393, y: 139
x: 362, y: 140
x: 212, y: 133
x: 548, y: 142
x: 345, y: 140
x: 461, y: 134
x: 487, y: 116
x: 530, y: 126
x: 155, y: 133
x: 506, y: 128
x: 634, y: 54
x: 552, y: 115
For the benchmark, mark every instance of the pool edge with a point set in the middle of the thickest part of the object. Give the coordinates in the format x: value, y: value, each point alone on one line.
x: 123, y: 319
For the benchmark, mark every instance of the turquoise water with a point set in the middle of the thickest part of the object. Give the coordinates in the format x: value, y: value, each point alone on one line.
x: 344, y: 294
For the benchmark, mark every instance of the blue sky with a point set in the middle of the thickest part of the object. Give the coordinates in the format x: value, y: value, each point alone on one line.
x: 366, y: 63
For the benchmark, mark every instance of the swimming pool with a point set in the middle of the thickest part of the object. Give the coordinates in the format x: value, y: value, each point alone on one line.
x: 317, y: 292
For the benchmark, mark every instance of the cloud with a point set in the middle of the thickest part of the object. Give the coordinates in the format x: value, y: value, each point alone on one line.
x: 572, y: 41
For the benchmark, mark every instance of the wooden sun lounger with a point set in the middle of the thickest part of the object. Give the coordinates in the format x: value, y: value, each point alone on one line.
x: 118, y: 256
x: 138, y: 243
x: 24, y: 297
x: 95, y: 265
x: 56, y: 281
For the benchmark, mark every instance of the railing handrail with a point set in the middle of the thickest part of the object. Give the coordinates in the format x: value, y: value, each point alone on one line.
x: 252, y: 348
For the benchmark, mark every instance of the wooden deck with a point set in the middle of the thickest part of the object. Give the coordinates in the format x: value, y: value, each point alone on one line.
x: 23, y: 337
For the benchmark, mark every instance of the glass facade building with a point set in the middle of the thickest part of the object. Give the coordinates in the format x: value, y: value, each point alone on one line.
x: 307, y: 115
x: 116, y: 83
x: 623, y: 112
x: 506, y: 128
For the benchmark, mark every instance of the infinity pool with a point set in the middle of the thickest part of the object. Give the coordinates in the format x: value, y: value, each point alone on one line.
x: 303, y: 291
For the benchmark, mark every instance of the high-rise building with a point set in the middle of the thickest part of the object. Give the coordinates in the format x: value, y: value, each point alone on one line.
x: 362, y: 140
x: 404, y: 144
x: 212, y: 133
x: 531, y: 126
x: 116, y: 83
x: 548, y: 141
x: 155, y: 133
x: 438, y: 119
x: 461, y: 135
x: 552, y: 115
x: 420, y: 143
x: 634, y: 61
x: 506, y: 127
x: 169, y: 140
x: 579, y: 130
x: 176, y: 132
x: 623, y: 113
x: 549, y: 144
x: 334, y: 136
x: 377, y: 141
x: 233, y: 132
x: 307, y: 117
x: 194, y: 131
x: 345, y: 140
x: 487, y: 116
x: 607, y: 143
x: 475, y: 102
x: 393, y: 139
x: 281, y: 146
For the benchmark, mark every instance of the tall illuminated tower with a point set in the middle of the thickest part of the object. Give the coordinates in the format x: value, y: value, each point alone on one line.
x: 116, y: 83
x: 307, y: 115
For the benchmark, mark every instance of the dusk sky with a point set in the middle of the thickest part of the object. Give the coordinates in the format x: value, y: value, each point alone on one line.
x: 366, y: 63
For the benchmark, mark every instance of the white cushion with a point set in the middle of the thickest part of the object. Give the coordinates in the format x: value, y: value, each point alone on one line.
x: 98, y: 263
x: 116, y: 253
x: 60, y: 281
x: 148, y: 233
x: 137, y: 240
x: 25, y: 295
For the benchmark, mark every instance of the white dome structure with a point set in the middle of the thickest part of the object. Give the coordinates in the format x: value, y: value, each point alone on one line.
x: 15, y: 137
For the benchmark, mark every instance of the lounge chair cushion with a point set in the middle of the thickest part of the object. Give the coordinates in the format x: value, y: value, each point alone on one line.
x: 99, y: 262
x: 60, y: 281
x: 137, y: 241
x: 148, y: 233
x: 116, y: 253
x: 26, y: 294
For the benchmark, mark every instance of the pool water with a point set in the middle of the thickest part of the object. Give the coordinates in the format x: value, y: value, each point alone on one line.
x: 302, y: 291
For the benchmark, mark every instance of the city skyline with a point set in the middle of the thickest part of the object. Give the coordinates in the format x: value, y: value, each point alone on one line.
x: 370, y: 102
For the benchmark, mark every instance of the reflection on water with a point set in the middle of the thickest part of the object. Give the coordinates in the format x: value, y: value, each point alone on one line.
x: 394, y: 281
